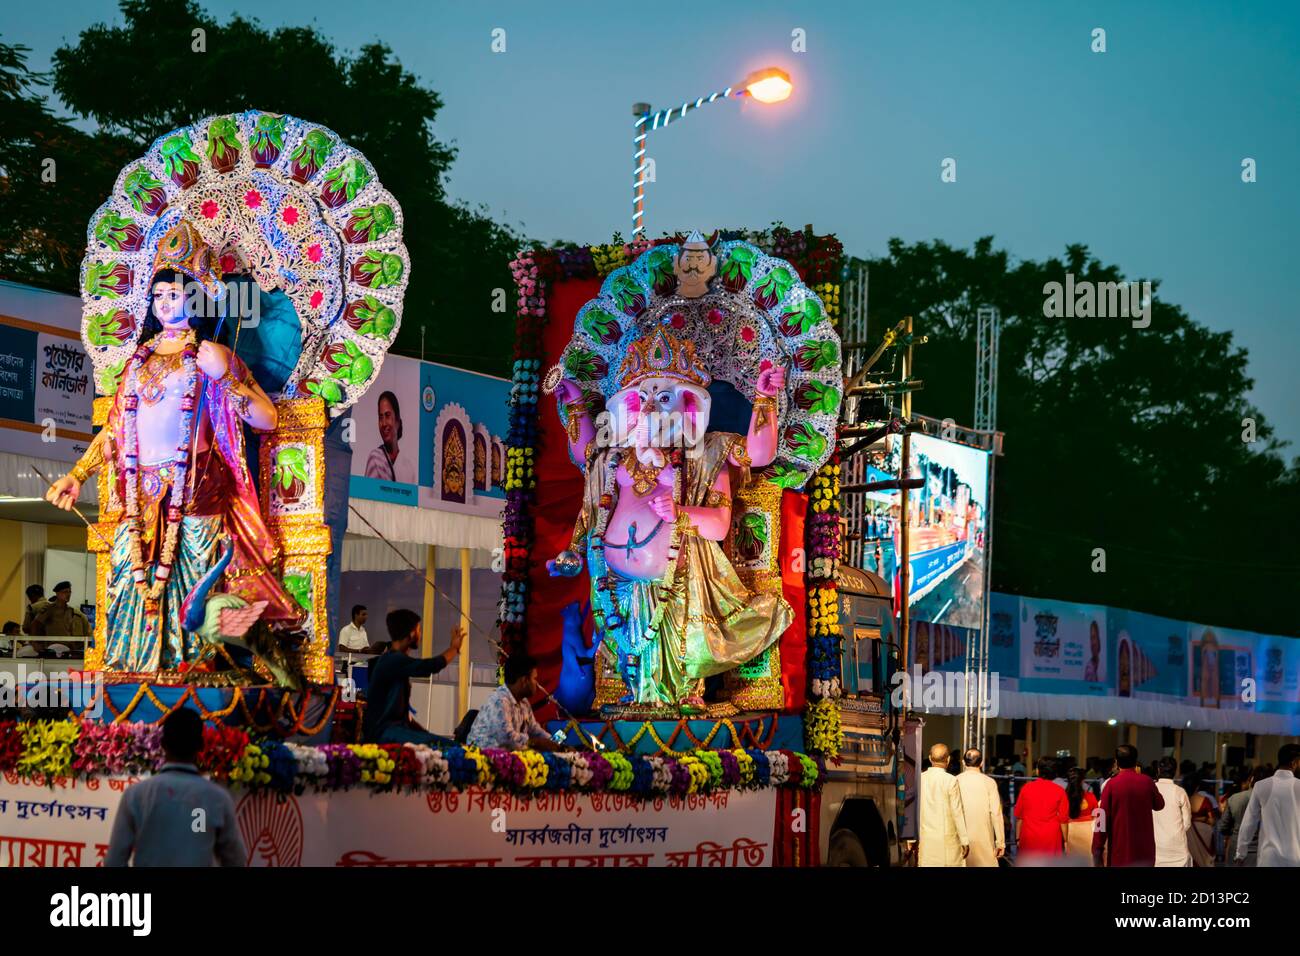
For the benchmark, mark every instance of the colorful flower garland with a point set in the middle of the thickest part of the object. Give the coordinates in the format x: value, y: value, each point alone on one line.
x: 822, y: 732
x: 47, y: 750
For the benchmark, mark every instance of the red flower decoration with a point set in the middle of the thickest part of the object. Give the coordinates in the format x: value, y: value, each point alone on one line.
x: 228, y: 263
x: 764, y: 365
x: 715, y: 316
x: 747, y: 334
x: 210, y: 209
x: 290, y: 215
x: 314, y: 252
x: 316, y: 299
x: 678, y: 321
x: 252, y: 199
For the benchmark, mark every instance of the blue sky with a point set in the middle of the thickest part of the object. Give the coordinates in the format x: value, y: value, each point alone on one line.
x: 1135, y: 152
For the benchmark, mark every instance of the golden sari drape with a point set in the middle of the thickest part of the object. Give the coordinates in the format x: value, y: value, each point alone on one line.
x: 712, y: 622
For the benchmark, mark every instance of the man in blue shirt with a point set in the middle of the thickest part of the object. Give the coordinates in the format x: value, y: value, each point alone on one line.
x: 388, y: 700
x: 177, y: 817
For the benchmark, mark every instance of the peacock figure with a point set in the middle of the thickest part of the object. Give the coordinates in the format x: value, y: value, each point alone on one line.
x: 226, y: 619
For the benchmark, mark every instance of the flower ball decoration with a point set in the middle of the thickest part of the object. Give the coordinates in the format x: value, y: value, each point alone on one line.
x: 283, y: 201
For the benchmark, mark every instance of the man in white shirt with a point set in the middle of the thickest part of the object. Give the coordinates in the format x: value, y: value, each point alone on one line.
x: 982, y: 809
x: 1274, y: 810
x: 942, y: 834
x: 353, y: 636
x: 1172, y: 823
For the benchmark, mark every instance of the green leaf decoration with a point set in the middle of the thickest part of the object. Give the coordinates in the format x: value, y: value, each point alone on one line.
x: 776, y: 283
x: 362, y: 369
x: 102, y: 327
x: 327, y: 389
x: 802, y: 319
x: 299, y: 587
x: 785, y: 476
x: 805, y: 441
x: 601, y: 326
x: 313, y: 150
x: 269, y: 130
x: 102, y: 281
x: 625, y: 290
x: 815, y: 356
x: 139, y: 187
x: 110, y: 227
x: 740, y: 264
x: 755, y: 526
x: 176, y: 152
x: 223, y: 134
x: 377, y: 221
x: 818, y: 398
x: 583, y: 365
x: 111, y: 377
x: 380, y: 319
x: 350, y: 176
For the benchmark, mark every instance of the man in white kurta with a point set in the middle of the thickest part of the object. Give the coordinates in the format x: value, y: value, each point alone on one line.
x: 1172, y: 823
x: 942, y: 821
x: 982, y: 807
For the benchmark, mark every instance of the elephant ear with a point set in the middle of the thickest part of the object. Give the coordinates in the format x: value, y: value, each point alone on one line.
x: 234, y: 622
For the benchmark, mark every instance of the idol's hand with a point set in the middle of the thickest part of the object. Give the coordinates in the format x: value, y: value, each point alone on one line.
x: 213, y: 360
x: 663, y: 505
x: 567, y: 392
x: 566, y: 564
x: 770, y: 381
x: 63, y: 493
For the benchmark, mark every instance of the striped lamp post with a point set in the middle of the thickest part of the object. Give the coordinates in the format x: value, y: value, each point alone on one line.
x: 770, y: 85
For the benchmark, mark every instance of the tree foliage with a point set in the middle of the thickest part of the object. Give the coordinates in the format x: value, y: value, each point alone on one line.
x: 152, y: 74
x: 1117, y: 437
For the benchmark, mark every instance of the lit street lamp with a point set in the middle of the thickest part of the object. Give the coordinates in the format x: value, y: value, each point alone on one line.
x: 771, y: 85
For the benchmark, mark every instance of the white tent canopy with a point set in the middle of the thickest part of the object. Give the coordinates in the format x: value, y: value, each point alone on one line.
x: 1145, y: 713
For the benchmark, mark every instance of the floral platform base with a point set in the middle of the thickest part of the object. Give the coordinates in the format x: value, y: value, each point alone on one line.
x: 48, y: 750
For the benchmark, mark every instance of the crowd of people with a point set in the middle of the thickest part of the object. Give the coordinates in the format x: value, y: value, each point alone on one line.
x: 1127, y: 816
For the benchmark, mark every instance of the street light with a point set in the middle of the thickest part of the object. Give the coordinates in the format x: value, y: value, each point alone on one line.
x: 769, y: 85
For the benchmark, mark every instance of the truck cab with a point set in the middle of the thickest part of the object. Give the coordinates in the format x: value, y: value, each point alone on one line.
x: 862, y: 799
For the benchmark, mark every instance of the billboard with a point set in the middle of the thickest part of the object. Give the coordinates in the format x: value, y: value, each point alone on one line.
x: 1062, y: 647
x: 947, y: 526
x: 431, y: 435
x: 46, y: 384
x: 386, y: 435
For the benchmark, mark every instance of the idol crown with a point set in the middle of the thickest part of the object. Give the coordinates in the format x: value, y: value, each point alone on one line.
x: 183, y: 249
x: 662, y: 355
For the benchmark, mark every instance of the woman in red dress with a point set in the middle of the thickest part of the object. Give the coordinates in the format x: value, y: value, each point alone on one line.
x: 1042, y: 814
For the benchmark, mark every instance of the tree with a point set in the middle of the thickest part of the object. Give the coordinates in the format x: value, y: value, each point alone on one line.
x: 52, y: 177
x: 1119, y: 438
x: 172, y: 63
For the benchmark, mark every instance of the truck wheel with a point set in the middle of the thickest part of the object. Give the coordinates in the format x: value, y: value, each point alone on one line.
x: 846, y: 850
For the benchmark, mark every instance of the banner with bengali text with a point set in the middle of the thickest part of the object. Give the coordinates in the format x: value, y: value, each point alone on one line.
x: 69, y: 824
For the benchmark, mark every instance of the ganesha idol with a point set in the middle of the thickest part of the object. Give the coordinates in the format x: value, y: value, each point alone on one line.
x: 701, y: 381
x: 655, y: 507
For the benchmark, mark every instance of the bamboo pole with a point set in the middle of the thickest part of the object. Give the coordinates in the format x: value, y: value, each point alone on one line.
x: 430, y: 603
x: 462, y: 690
